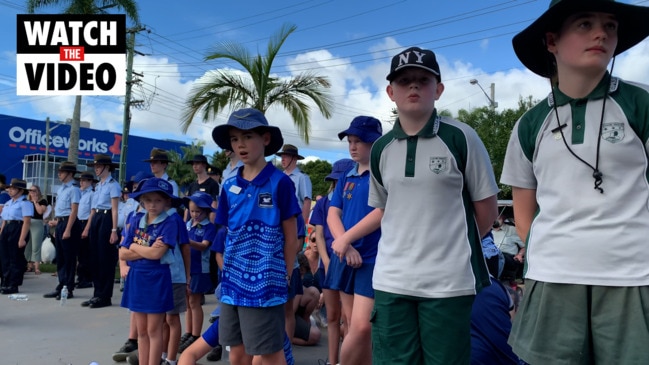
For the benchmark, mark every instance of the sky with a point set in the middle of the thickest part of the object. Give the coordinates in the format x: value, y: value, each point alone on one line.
x: 350, y: 42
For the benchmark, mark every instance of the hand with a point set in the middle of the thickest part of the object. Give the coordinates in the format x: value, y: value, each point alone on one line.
x: 84, y: 234
x: 22, y: 243
x: 113, y: 238
x: 340, y: 247
x: 66, y: 235
x: 519, y: 257
x: 52, y: 223
x: 158, y: 243
x: 123, y: 270
x: 353, y: 258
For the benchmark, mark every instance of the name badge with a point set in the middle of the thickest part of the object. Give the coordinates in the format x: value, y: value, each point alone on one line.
x: 235, y: 189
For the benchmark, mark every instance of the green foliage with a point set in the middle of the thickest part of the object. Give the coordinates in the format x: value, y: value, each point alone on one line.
x: 178, y: 169
x: 258, y: 89
x: 220, y: 160
x: 129, y: 7
x: 494, y: 128
x: 317, y: 170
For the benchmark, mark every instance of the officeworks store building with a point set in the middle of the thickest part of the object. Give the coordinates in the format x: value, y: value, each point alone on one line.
x: 23, y: 150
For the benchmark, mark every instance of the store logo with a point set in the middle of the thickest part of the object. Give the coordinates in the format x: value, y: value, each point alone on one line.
x: 39, y: 138
x: 71, y: 54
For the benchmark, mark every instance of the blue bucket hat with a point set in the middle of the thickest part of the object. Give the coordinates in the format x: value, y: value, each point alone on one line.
x: 141, y: 175
x: 368, y: 129
x: 247, y: 119
x: 152, y: 185
x: 201, y: 199
x: 339, y: 168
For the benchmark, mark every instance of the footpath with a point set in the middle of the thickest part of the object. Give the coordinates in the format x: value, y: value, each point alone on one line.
x: 40, y: 331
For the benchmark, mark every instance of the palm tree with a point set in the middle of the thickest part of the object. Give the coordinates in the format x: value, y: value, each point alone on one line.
x: 84, y: 7
x: 259, y: 89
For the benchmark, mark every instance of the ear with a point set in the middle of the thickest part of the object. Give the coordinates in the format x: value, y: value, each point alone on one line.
x: 439, y: 90
x: 266, y: 138
x: 551, y: 42
x: 390, y: 91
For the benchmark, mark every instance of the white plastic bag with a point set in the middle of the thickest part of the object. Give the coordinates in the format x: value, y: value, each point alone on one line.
x: 48, y: 252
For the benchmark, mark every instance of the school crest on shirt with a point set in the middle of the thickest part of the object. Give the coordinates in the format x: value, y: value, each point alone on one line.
x: 265, y: 200
x: 613, y: 132
x: 438, y: 164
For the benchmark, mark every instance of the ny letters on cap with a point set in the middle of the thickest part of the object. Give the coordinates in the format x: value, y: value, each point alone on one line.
x: 414, y: 57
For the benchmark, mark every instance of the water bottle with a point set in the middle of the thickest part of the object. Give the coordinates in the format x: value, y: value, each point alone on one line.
x: 64, y: 295
x: 20, y: 297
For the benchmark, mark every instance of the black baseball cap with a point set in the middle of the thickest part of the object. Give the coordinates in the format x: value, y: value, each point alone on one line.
x: 414, y: 57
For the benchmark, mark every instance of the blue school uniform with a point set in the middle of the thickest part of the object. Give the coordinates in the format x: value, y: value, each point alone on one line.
x: 254, y: 269
x: 148, y: 285
x: 175, y: 256
x: 200, y: 260
x: 319, y: 218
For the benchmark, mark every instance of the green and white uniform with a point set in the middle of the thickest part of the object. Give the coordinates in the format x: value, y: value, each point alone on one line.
x: 579, y: 235
x: 430, y: 245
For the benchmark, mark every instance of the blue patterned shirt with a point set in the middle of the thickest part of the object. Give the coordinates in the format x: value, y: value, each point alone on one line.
x: 254, y: 269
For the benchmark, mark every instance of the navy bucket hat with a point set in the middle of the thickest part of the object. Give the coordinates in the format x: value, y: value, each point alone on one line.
x: 368, y: 129
x: 141, y: 175
x: 201, y: 199
x: 248, y: 119
x: 339, y: 168
x: 153, y: 185
x: 530, y: 46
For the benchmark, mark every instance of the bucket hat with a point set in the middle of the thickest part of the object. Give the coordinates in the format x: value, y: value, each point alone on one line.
x: 198, y: 158
x: 247, y: 119
x: 128, y: 187
x: 141, y: 175
x: 414, y: 57
x: 289, y: 149
x: 201, y: 199
x: 19, y: 184
x: 68, y: 166
x: 339, y: 168
x: 368, y: 129
x: 101, y: 159
x: 158, y: 154
x: 530, y: 46
x: 151, y: 185
x: 86, y: 176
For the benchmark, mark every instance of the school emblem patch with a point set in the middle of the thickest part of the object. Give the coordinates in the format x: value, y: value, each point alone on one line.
x: 613, y: 132
x: 265, y: 200
x: 438, y: 164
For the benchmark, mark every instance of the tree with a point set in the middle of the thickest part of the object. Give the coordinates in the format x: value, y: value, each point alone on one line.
x: 178, y: 169
x: 258, y: 89
x: 317, y: 171
x: 220, y: 160
x: 84, y: 7
x: 494, y: 129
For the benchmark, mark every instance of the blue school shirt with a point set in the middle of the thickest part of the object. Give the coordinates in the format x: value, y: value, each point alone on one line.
x: 350, y: 195
x: 200, y: 260
x: 254, y: 270
x: 175, y: 257
x: 67, y: 195
x: 104, y: 192
x: 319, y: 218
x: 15, y: 210
x: 85, y: 203
x: 144, y: 234
x: 218, y: 245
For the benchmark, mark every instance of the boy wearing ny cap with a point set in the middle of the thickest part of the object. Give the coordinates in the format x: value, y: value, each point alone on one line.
x: 433, y: 181
x: 577, y: 164
x: 259, y: 208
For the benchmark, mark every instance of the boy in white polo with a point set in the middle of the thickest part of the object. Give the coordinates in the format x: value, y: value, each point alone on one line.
x: 432, y: 178
x: 577, y: 164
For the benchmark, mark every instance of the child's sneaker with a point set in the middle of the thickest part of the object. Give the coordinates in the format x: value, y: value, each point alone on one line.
x: 215, y: 354
x: 123, y: 352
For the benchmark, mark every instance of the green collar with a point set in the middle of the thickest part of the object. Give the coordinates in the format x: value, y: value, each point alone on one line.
x: 429, y: 130
x: 605, y: 86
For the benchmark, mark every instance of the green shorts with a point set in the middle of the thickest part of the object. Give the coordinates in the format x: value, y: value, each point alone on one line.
x: 582, y: 324
x: 411, y: 330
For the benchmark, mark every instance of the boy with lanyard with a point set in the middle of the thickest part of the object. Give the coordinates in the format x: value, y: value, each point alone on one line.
x: 148, y: 291
x: 84, y: 268
x: 259, y: 208
x: 14, y: 234
x: 350, y: 272
x: 68, y: 230
x: 324, y: 239
x: 435, y: 210
x: 587, y: 248
x: 102, y: 231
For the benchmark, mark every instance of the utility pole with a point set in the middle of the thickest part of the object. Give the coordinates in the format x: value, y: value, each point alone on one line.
x: 47, y: 157
x: 130, y: 49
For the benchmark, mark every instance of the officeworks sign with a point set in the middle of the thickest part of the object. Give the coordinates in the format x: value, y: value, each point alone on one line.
x: 71, y: 54
x: 20, y: 137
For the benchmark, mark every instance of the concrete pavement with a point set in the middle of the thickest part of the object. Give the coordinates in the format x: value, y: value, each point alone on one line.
x: 40, y: 331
